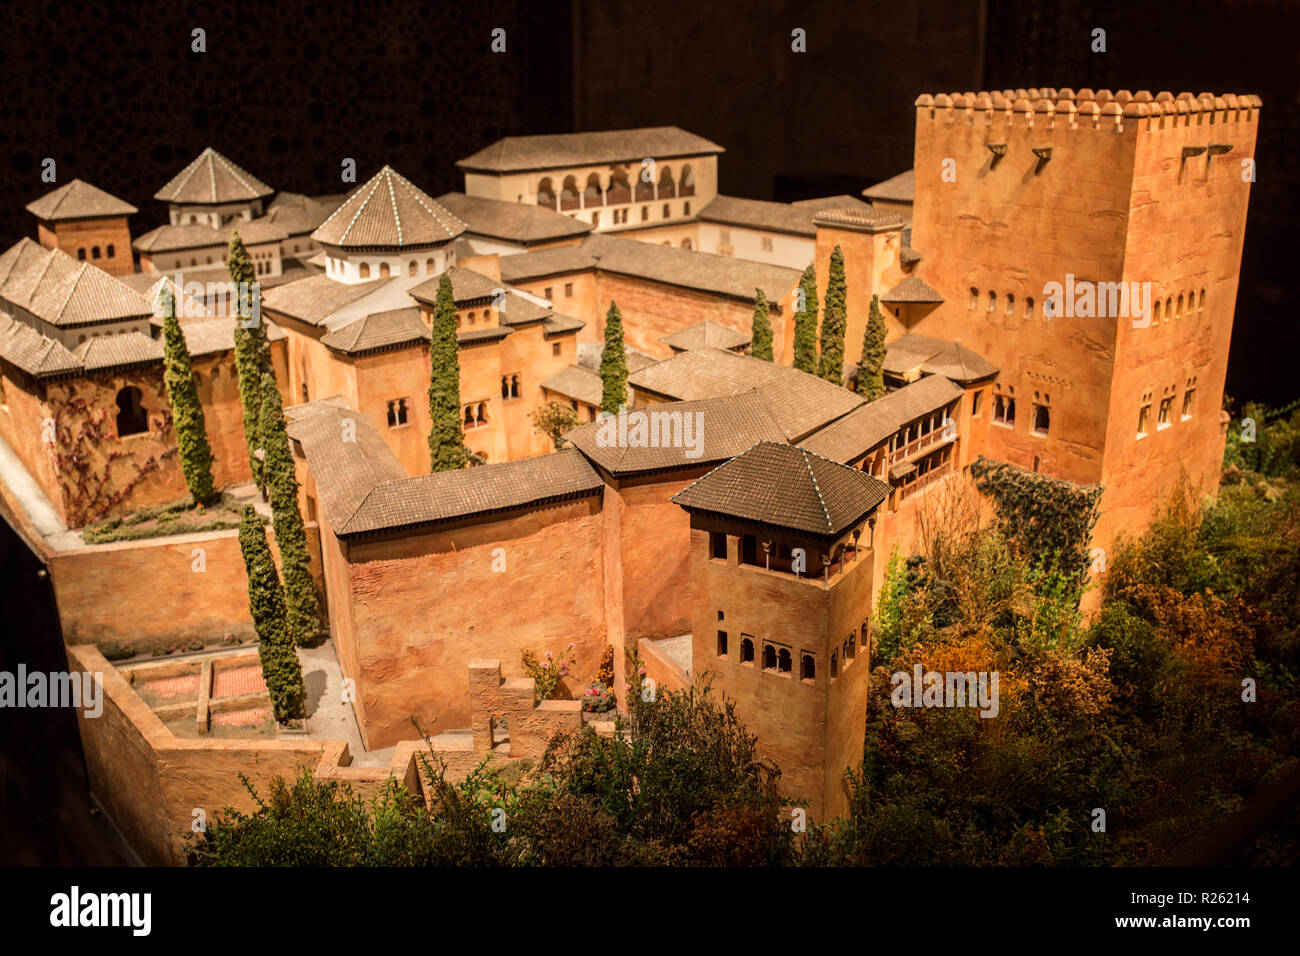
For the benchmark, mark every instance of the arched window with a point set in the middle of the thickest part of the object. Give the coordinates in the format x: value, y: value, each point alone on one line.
x: 428, y: 267
x: 746, y: 650
x: 687, y: 186
x: 784, y: 662
x: 112, y: 252
x: 1156, y: 313
x: 807, y: 668
x: 591, y: 194
x: 295, y: 248
x: 852, y: 647
x: 482, y: 414
x: 131, y: 416
x: 1029, y: 307
x: 1180, y: 305
x: 644, y: 191
x: 974, y: 297
x: 411, y: 268
x: 94, y: 252
x: 81, y: 253
x: 215, y: 374
x: 514, y: 386
x: 667, y: 188
x: 686, y: 244
x: 993, y: 300
x: 1201, y: 304
x: 1011, y: 304
x: 769, y: 657
x: 505, y: 386
x: 569, y: 193
x: 194, y: 220
x: 469, y: 416
x: 384, y: 271
x: 546, y: 193
x: 365, y: 270
x: 81, y: 339
x: 1169, y: 308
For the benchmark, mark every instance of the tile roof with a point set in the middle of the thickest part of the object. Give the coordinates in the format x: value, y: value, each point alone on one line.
x: 388, y: 212
x: 722, y: 275
x: 590, y: 354
x: 23, y: 346
x: 467, y: 286
x: 787, y: 487
x: 912, y: 289
x: 449, y: 495
x: 521, y: 222
x: 298, y: 215
x: 865, y: 427
x: 541, y: 263
x: 799, y: 402
x: 213, y: 336
x: 793, y: 218
x: 197, y: 235
x: 344, y: 471
x: 728, y: 426
x: 114, y: 351
x: 574, y: 381
x: 705, y: 334
x: 315, y: 298
x: 559, y: 324
x: 212, y: 178
x: 900, y: 188
x: 78, y: 200
x: 379, y: 330
x: 53, y: 286
x: 911, y: 355
x: 521, y: 153
x: 856, y: 220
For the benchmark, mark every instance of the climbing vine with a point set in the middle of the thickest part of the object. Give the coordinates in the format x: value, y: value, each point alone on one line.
x: 90, y: 492
x: 1049, y: 519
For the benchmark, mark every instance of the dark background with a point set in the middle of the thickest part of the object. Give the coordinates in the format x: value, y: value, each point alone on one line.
x: 288, y: 90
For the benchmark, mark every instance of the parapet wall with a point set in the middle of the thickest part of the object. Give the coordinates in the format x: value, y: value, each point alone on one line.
x: 152, y: 782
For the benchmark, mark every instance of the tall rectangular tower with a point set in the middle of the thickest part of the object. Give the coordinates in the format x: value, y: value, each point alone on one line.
x: 1089, y: 245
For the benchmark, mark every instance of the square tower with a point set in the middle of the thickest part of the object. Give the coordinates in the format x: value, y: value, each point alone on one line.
x: 1125, y: 212
x: 781, y: 570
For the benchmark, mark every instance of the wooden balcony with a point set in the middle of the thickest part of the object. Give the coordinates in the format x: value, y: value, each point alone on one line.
x: 925, y: 481
x: 912, y: 448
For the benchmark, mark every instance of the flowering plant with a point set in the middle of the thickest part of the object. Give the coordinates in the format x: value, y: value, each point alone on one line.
x: 548, y: 671
x: 598, y: 699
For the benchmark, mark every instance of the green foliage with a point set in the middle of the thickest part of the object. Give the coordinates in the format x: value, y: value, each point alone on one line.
x: 871, y: 380
x: 613, y: 363
x: 554, y: 419
x: 446, y: 432
x: 252, y: 350
x: 889, y: 608
x: 178, y: 517
x: 282, y: 489
x: 280, y: 667
x: 761, y: 334
x: 1275, y: 450
x: 187, y: 412
x: 1049, y: 519
x: 834, y: 322
x: 805, y: 324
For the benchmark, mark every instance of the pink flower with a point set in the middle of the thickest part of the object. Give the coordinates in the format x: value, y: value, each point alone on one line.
x: 570, y: 645
x: 641, y: 672
x: 627, y: 686
x: 548, y: 653
x: 545, y: 664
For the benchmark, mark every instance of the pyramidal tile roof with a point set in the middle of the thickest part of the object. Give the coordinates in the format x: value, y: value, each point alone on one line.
x: 212, y: 178
x: 520, y: 153
x: 53, y: 286
x: 78, y: 200
x: 389, y: 212
x: 788, y: 487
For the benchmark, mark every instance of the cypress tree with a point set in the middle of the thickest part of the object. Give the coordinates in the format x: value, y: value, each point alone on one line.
x: 280, y: 666
x: 761, y: 341
x: 446, y: 435
x: 805, y: 324
x: 282, y: 486
x: 187, y: 412
x: 613, y: 363
x: 252, y: 351
x: 831, y: 365
x: 871, y: 381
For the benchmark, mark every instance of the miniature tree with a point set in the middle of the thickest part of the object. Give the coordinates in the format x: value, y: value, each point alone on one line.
x: 282, y: 487
x: 280, y: 666
x: 554, y: 420
x: 446, y: 435
x: 805, y: 324
x: 252, y: 351
x: 831, y: 364
x: 187, y: 412
x: 761, y: 334
x: 871, y: 380
x: 613, y: 363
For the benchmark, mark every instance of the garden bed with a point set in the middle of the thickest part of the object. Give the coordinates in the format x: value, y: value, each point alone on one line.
x: 179, y: 517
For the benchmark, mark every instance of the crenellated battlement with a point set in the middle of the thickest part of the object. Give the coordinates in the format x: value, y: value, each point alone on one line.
x: 1052, y: 109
